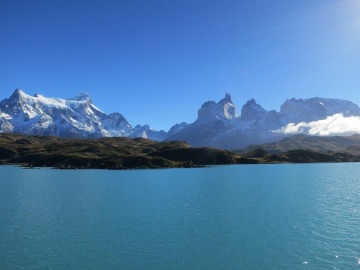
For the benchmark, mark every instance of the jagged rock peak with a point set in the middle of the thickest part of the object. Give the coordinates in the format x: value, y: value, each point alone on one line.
x: 76, y: 118
x: 142, y: 126
x: 117, y: 118
x: 177, y: 128
x: 82, y: 96
x: 146, y: 131
x: 312, y: 109
x: 224, y: 109
x: 17, y: 93
x: 251, y: 110
x: 251, y: 101
x: 226, y: 99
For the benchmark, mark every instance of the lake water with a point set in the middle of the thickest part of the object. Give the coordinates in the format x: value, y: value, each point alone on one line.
x: 294, y: 216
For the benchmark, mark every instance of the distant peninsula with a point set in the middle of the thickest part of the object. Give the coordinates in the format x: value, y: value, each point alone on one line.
x: 108, y: 153
x: 119, y: 153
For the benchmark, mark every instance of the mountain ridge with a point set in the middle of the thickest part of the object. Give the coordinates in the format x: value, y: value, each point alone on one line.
x: 218, y: 124
x: 255, y: 125
x: 75, y: 117
x: 119, y: 153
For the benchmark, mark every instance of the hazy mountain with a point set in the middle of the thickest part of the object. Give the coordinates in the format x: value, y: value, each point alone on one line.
x: 176, y: 128
x: 308, y: 110
x: 219, y: 124
x: 216, y: 126
x: 147, y: 132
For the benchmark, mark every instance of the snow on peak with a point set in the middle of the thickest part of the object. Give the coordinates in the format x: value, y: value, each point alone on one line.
x: 312, y: 109
x: 82, y: 96
x: 177, y: 128
x: 60, y: 117
x: 223, y: 110
x: 147, y: 132
x: 18, y: 94
x: 218, y: 123
x: 19, y: 91
x: 226, y: 99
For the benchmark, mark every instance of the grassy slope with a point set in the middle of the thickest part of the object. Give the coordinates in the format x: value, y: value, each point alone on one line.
x: 312, y: 143
x: 304, y: 148
x: 109, y: 153
x: 125, y: 153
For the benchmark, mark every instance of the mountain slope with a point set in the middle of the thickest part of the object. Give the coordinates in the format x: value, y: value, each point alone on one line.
x: 124, y: 153
x: 218, y: 123
x: 313, y: 143
x: 216, y: 126
x: 308, y: 110
x: 107, y: 153
x: 72, y: 118
x: 76, y: 117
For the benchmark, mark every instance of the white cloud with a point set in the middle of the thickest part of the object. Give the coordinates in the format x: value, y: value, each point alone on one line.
x: 333, y: 125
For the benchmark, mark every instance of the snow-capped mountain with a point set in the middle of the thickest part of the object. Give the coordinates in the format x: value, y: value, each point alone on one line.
x: 147, y: 132
x: 176, y: 128
x: 224, y: 110
x: 219, y: 125
x: 313, y: 109
x: 5, y: 125
x: 76, y: 117
x: 255, y: 118
x: 216, y: 126
x: 115, y: 125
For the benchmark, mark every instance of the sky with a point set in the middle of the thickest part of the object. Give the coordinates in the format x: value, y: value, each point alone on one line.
x: 156, y: 62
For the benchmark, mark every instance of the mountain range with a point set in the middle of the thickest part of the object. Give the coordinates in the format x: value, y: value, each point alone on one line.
x: 75, y: 117
x: 218, y: 123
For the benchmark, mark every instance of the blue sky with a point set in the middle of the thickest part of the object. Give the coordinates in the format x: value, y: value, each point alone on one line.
x: 156, y: 62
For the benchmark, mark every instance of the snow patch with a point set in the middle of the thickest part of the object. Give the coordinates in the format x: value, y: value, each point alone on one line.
x: 77, y: 117
x: 5, y: 116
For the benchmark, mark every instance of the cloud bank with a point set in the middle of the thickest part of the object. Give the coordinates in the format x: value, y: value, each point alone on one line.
x: 333, y: 125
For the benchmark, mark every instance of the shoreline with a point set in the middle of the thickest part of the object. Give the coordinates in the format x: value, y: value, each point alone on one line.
x: 119, y: 153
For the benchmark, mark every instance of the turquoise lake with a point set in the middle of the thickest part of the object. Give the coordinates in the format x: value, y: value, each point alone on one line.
x: 293, y: 216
